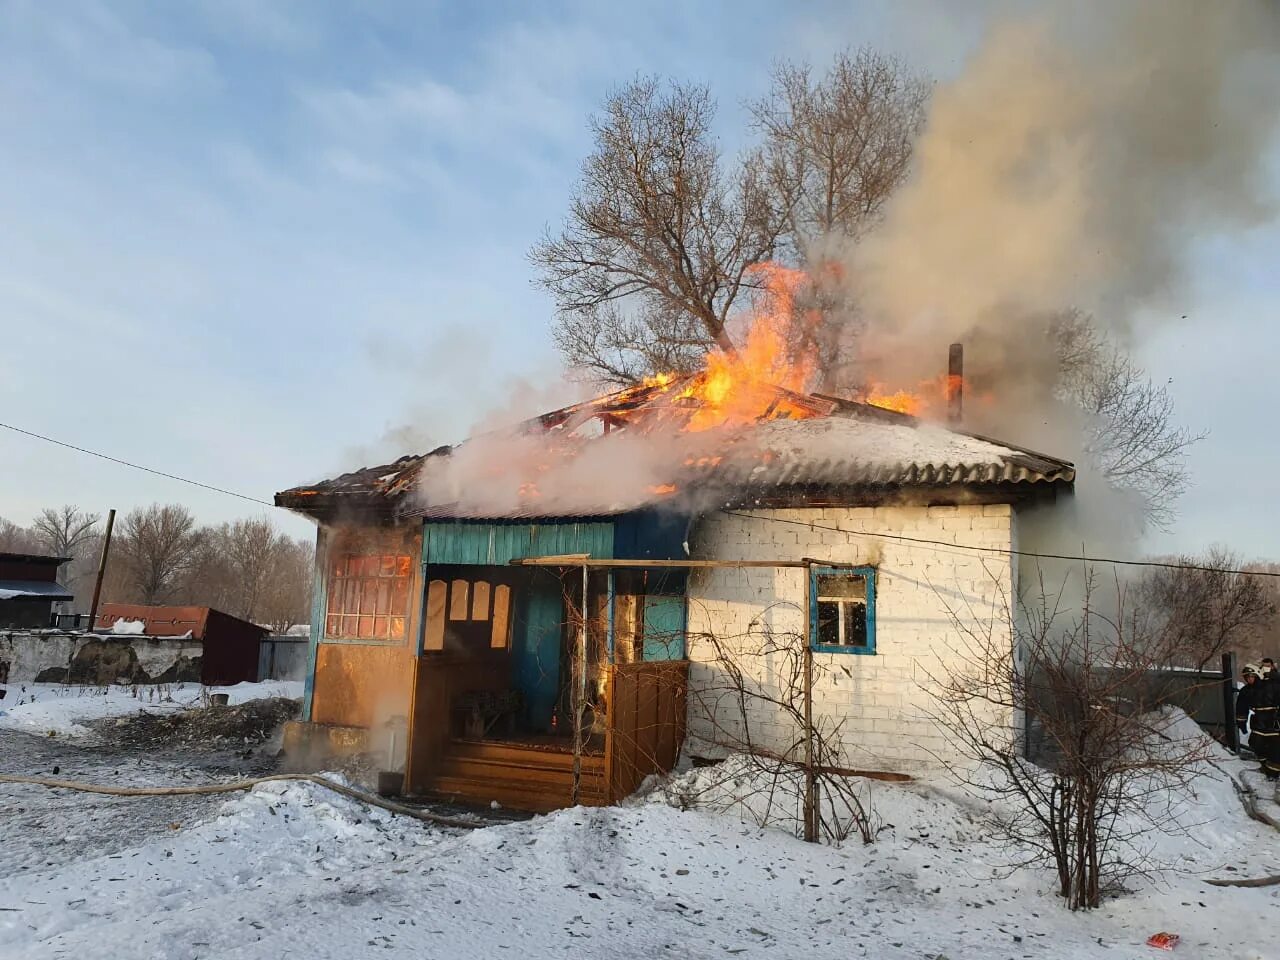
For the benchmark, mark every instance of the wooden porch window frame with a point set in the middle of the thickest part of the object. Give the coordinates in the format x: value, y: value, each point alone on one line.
x: 395, y: 552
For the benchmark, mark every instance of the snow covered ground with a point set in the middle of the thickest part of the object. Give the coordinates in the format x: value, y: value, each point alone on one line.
x: 292, y: 870
x: 62, y: 710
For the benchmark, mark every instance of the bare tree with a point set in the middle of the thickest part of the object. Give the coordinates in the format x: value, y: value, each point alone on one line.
x: 659, y: 240
x: 837, y: 146
x: 286, y: 597
x: 251, y: 549
x: 157, y: 546
x: 1202, y: 608
x: 1080, y: 693
x: 67, y: 531
x: 16, y: 539
x: 1130, y: 428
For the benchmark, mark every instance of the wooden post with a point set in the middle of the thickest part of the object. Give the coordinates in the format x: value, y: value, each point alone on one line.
x: 955, y: 384
x: 102, y: 569
x: 580, y: 694
x: 1232, y: 739
x: 810, y: 775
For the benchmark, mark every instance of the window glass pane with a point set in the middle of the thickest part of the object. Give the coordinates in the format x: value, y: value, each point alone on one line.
x: 436, y: 594
x: 397, y: 628
x: 400, y: 597
x: 354, y: 565
x: 842, y: 587
x: 384, y: 597
x: 855, y: 624
x: 501, y: 616
x: 458, y: 593
x: 365, y: 630
x: 368, y: 596
x: 829, y: 624
x: 404, y: 566
x: 333, y: 627
x: 480, y: 600
x: 380, y: 627
x: 335, y: 595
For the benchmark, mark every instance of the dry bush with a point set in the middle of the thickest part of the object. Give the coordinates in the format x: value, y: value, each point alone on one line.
x: 1078, y: 693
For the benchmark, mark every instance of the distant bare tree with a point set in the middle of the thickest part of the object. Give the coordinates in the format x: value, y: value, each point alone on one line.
x: 286, y: 598
x: 1202, y: 608
x: 16, y: 539
x: 1131, y: 432
x: 67, y: 531
x: 837, y: 146
x: 251, y: 549
x: 156, y: 547
x: 656, y: 249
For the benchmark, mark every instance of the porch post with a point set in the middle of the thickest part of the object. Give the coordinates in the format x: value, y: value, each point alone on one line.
x: 810, y: 780
x: 580, y: 694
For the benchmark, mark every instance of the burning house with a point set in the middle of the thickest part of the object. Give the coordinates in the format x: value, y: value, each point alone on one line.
x: 540, y: 616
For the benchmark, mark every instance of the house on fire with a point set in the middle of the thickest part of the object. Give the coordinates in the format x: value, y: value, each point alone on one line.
x: 535, y: 617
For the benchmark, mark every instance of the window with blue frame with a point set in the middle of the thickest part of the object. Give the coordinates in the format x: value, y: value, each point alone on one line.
x: 842, y: 609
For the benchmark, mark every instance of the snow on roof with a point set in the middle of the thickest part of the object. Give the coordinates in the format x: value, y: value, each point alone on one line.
x: 33, y: 589
x: 557, y: 466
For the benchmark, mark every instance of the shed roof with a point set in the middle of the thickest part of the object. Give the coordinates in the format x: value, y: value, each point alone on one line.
x: 36, y: 559
x: 33, y: 590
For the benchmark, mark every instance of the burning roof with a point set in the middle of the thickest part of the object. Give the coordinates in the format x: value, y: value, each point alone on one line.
x: 742, y: 431
x: 667, y: 442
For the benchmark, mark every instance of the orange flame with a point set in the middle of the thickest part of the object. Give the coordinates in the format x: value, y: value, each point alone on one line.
x: 741, y: 385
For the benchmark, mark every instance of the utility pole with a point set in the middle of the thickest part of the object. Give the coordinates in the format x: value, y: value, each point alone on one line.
x: 102, y: 568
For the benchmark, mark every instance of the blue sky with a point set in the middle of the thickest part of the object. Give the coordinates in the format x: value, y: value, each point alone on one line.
x: 256, y: 243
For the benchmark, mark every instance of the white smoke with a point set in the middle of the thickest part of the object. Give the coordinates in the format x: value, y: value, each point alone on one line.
x: 1075, y: 162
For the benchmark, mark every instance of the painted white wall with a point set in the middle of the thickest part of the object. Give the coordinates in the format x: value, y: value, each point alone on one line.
x: 877, y: 698
x: 30, y: 654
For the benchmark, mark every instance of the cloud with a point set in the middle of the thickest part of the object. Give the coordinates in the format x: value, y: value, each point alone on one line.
x: 89, y: 40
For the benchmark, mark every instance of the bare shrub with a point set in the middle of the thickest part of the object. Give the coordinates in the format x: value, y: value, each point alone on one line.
x: 1077, y: 690
x: 789, y: 770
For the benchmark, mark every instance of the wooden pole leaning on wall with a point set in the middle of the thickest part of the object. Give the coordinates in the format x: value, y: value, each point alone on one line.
x: 579, y: 675
x: 810, y: 772
x: 1231, y: 735
x: 102, y: 569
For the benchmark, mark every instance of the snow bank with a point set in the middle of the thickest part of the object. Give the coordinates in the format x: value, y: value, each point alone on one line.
x: 58, y: 710
x: 130, y: 628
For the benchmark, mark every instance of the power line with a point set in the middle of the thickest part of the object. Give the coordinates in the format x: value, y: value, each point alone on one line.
x: 1005, y: 550
x: 136, y: 466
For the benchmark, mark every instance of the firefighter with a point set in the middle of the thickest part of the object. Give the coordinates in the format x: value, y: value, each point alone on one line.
x: 1269, y: 669
x: 1261, y: 698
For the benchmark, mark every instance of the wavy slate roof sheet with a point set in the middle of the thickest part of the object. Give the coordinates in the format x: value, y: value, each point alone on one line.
x: 848, y: 445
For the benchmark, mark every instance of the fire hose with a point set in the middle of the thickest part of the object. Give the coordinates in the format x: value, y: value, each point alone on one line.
x: 238, y: 785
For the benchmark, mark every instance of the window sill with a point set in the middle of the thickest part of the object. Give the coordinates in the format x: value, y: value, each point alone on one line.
x: 856, y: 651
x: 355, y: 642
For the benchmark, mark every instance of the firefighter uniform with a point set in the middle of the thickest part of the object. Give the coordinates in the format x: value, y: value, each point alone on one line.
x: 1258, y: 703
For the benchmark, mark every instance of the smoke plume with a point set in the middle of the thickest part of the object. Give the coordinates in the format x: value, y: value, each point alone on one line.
x: 1073, y: 164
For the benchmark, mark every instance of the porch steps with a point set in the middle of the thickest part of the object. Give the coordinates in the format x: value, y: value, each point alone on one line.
x: 522, y: 778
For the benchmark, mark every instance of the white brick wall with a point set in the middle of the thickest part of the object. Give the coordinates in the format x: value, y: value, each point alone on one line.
x: 877, y: 699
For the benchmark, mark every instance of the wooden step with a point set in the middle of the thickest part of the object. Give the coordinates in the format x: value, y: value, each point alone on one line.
x: 535, y: 798
x: 518, y: 754
x: 471, y: 768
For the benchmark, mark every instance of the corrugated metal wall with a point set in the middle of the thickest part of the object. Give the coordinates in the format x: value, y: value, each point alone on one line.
x: 499, y: 543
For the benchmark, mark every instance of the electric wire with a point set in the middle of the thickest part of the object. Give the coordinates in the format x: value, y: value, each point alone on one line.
x: 812, y: 525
